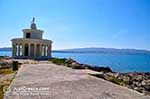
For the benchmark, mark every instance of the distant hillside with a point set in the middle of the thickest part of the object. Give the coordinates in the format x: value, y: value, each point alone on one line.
x: 6, y: 49
x: 103, y: 50
x: 94, y: 50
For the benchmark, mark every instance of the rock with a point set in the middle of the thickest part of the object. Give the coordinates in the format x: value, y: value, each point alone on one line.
x: 100, y: 75
x: 110, y: 74
x: 147, y: 87
x: 143, y: 83
x: 116, y: 75
x: 5, y: 65
x: 139, y: 77
x: 135, y: 88
x: 138, y: 84
x: 75, y: 65
x: 85, y: 66
x: 70, y: 61
x: 125, y: 78
x: 99, y: 69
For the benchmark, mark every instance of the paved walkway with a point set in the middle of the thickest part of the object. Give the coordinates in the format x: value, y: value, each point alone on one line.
x: 49, y: 81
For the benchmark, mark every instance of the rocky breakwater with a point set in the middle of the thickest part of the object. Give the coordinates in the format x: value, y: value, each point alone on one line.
x: 138, y: 81
x: 75, y: 65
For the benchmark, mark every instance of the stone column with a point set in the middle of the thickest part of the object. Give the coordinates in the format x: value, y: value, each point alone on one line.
x: 41, y: 49
x: 46, y: 50
x: 15, y: 49
x: 20, y: 46
x: 49, y: 50
x: 35, y: 50
x: 23, y: 45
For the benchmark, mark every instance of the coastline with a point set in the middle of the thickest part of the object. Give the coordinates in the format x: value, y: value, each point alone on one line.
x: 118, y: 62
x: 138, y: 81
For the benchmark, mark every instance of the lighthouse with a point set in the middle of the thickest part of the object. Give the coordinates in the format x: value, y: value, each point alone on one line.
x: 32, y: 45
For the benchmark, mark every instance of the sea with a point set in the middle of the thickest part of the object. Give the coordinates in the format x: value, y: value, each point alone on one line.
x: 117, y: 62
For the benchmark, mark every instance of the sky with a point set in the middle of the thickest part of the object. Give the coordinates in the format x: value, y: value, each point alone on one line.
x: 79, y: 23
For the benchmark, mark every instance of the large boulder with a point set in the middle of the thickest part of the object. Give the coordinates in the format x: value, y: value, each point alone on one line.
x: 100, y: 69
x: 75, y: 65
x: 4, y: 65
x: 70, y: 61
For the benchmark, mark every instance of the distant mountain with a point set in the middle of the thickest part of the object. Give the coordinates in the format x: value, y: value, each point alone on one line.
x: 94, y: 50
x: 103, y: 50
x: 6, y: 49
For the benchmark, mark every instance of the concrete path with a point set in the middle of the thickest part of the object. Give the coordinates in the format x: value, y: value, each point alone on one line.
x: 49, y: 81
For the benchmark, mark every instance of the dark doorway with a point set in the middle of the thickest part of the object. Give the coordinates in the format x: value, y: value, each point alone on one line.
x: 26, y: 51
x: 28, y: 35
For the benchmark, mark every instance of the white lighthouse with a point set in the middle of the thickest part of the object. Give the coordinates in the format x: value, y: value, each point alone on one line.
x: 32, y: 45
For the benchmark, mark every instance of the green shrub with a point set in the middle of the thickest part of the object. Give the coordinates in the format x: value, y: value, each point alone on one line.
x: 118, y: 81
x: 115, y: 80
x: 58, y: 61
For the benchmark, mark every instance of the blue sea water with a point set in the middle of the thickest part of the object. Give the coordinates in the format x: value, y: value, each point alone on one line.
x: 5, y: 53
x: 118, y: 62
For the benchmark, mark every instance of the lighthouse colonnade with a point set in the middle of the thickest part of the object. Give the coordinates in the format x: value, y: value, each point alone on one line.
x: 31, y: 50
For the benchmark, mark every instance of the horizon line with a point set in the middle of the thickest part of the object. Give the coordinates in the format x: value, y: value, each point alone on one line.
x: 98, y: 47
